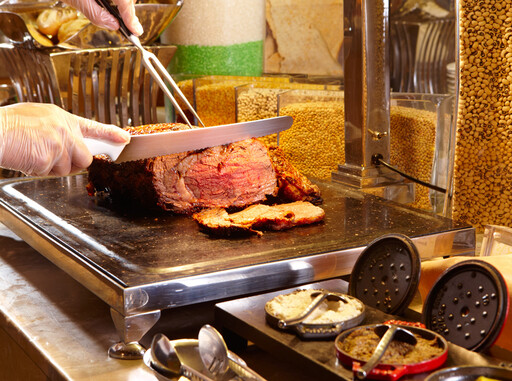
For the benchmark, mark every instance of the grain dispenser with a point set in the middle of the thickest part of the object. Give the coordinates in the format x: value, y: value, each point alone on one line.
x: 367, y: 111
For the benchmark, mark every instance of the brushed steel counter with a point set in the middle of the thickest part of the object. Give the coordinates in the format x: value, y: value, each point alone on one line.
x: 53, y: 328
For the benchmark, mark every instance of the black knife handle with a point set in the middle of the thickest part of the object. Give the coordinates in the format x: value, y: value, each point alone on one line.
x: 115, y: 12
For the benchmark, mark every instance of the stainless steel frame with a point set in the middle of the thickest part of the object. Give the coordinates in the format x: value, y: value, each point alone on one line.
x: 110, y: 85
x: 366, y: 74
x: 142, y: 265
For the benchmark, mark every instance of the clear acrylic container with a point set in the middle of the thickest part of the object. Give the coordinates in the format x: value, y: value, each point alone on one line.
x: 497, y: 240
x: 315, y: 143
x: 422, y: 136
x: 330, y: 82
x: 259, y: 101
x: 215, y: 96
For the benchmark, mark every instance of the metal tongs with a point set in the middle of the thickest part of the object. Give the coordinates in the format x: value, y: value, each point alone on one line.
x: 153, y: 65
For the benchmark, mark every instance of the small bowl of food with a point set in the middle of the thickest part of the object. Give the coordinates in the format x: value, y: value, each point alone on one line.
x: 314, y: 313
x: 355, y: 346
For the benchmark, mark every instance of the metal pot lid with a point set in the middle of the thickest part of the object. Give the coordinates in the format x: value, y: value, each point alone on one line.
x: 386, y: 274
x: 468, y: 305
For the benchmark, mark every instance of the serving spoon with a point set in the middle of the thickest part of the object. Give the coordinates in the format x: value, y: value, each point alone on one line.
x: 319, y: 297
x: 216, y: 357
x: 387, y: 333
x: 164, y: 358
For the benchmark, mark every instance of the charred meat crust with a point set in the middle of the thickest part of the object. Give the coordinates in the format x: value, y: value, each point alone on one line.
x: 235, y: 175
x: 293, y: 185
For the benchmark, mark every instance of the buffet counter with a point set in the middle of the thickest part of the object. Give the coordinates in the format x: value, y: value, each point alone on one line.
x: 53, y: 328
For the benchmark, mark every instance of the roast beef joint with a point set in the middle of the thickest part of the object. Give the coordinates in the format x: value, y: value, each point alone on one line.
x: 225, y: 178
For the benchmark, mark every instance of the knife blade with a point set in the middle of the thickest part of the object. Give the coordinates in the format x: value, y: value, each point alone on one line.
x: 166, y: 143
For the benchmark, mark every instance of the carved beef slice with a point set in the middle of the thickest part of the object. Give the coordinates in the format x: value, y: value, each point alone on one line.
x: 253, y: 219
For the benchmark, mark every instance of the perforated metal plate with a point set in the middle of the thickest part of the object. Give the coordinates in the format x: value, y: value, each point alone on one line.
x: 386, y: 274
x: 468, y: 305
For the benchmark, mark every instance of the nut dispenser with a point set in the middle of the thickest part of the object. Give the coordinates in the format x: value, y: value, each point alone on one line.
x: 468, y: 305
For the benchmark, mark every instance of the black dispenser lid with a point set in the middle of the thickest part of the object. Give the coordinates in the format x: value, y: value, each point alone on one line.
x: 468, y: 305
x: 386, y: 274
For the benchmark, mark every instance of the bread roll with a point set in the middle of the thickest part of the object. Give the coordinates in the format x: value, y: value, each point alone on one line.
x: 38, y: 36
x: 50, y: 20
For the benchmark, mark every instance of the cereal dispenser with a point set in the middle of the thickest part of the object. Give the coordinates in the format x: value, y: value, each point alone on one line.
x: 366, y: 57
x: 370, y: 140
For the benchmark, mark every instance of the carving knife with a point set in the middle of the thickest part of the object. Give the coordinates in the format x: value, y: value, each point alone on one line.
x: 166, y: 143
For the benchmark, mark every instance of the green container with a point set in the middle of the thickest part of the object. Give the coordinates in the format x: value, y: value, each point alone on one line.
x: 237, y: 59
x: 222, y: 37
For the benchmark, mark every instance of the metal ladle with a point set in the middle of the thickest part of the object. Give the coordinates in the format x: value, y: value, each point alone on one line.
x: 387, y: 333
x: 319, y: 296
x: 164, y: 357
x: 216, y: 357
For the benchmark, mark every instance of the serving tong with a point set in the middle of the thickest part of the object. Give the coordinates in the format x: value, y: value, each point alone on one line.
x: 154, y: 67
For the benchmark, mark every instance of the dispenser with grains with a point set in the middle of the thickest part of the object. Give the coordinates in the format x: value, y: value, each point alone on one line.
x: 225, y: 39
x: 315, y: 142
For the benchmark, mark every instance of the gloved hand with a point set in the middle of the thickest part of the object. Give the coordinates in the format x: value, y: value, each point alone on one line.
x: 101, y: 17
x: 43, y: 139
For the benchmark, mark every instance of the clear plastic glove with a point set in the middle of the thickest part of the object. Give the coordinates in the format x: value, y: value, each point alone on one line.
x: 43, y: 139
x: 101, y: 17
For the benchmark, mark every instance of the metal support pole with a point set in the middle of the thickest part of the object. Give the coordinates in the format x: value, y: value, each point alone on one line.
x: 367, y: 99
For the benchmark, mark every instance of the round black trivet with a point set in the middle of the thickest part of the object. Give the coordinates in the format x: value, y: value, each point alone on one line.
x: 468, y: 305
x: 386, y: 274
